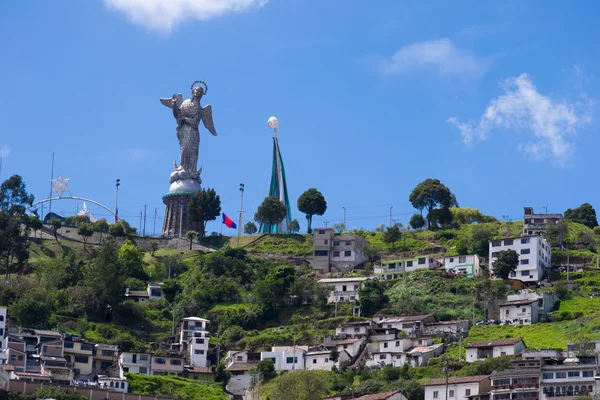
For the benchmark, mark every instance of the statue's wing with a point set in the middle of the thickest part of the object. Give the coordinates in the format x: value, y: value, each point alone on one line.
x: 207, y: 120
x: 168, y: 101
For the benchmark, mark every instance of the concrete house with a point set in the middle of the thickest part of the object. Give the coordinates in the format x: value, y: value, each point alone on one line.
x: 399, y: 351
x: 318, y: 359
x: 105, y: 356
x: 80, y: 354
x: 467, y: 265
x: 535, y: 224
x: 153, y: 292
x: 286, y: 358
x: 522, y: 311
x: 515, y: 384
x: 192, y: 336
x: 354, y: 330
x: 545, y: 301
x: 113, y: 383
x: 344, y: 289
x: 476, y: 351
x: 393, y: 395
x: 447, y: 327
x: 393, y: 268
x: 331, y: 251
x: 410, y: 324
x: 534, y: 253
x: 238, y: 363
x: 135, y: 363
x: 461, y: 388
x: 167, y: 365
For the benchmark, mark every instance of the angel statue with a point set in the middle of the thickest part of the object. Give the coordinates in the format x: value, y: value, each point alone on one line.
x: 188, y: 114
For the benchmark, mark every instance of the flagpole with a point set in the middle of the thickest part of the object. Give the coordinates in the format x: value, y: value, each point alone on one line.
x: 241, y: 212
x: 222, y: 223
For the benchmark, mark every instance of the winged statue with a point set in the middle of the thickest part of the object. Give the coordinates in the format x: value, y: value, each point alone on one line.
x: 188, y: 114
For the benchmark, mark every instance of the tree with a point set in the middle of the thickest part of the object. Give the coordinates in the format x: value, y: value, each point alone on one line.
x: 35, y: 223
x: 479, y: 240
x: 101, y: 226
x: 373, y: 254
x: 392, y: 235
x: 33, y: 310
x: 131, y: 258
x: 339, y: 227
x: 294, y: 226
x: 153, y: 246
x: 116, y: 230
x: 372, y: 296
x: 430, y: 194
x: 417, y: 221
x: 439, y: 217
x: 468, y: 216
x: 334, y: 355
x: 105, y: 275
x: 312, y: 203
x: 85, y: 230
x: 584, y: 214
x: 275, y: 285
x: 266, y: 369
x: 204, y: 206
x: 271, y: 212
x: 191, y: 235
x: 56, y: 225
x: 506, y: 263
x: 14, y: 198
x: 250, y: 228
x: 300, y: 385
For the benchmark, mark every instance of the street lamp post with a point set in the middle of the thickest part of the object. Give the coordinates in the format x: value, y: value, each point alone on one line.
x: 344, y: 217
x: 241, y: 212
x: 117, y: 200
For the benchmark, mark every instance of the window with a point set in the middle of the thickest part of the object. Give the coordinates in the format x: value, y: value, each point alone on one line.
x: 523, y: 309
x: 321, y: 231
x: 451, y: 259
x: 326, y: 359
x: 524, y: 261
x: 1, y: 318
x: 467, y: 392
x: 422, y: 261
x: 462, y: 259
x: 524, y: 241
x: 200, y: 352
x: 20, y: 358
x: 508, y: 242
x: 385, y: 345
x: 525, y: 251
x: 495, y: 254
x: 356, y: 329
x: 81, y: 359
x: 344, y: 288
x: 397, y: 343
x: 326, y: 241
x: 175, y: 362
x: 382, y: 357
x: 13, y: 357
x: 291, y: 360
x: 314, y: 360
x: 87, y: 347
x: 409, y: 263
x: 107, y: 353
x: 451, y: 393
x: 321, y: 253
x: 348, y: 253
x: 199, y: 341
x: 336, y: 253
x: 159, y: 361
x: 560, y: 375
x: 436, y: 394
x: 524, y: 273
x: 587, y: 374
x: 239, y: 358
x: 496, y: 243
x: 336, y: 243
x: 143, y: 357
x: 44, y: 349
x: 507, y: 312
x: 348, y: 243
x: 573, y: 374
x: 68, y: 345
x: 548, y: 375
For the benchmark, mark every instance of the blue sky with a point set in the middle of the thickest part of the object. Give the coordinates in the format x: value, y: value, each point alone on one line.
x: 497, y: 101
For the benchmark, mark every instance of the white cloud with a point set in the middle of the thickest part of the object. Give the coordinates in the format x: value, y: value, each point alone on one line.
x: 440, y: 56
x: 163, y: 15
x: 523, y: 108
x: 4, y: 151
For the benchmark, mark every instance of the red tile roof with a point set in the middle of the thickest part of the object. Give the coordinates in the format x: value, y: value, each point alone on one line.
x: 377, y: 396
x: 460, y: 379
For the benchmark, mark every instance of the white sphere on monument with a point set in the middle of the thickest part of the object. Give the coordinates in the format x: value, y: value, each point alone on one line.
x: 273, y: 123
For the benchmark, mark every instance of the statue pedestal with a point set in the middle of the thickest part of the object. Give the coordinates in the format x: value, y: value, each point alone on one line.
x: 176, y: 222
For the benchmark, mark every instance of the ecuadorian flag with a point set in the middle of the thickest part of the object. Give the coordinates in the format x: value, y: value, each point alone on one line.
x: 228, y: 222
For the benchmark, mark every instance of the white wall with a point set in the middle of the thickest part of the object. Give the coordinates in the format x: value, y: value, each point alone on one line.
x: 2, y: 325
x: 538, y: 259
x: 281, y: 359
x: 318, y: 362
x: 459, y: 391
x: 512, y: 312
x: 239, y: 382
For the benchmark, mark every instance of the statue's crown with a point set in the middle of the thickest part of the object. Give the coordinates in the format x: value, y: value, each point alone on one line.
x: 202, y: 83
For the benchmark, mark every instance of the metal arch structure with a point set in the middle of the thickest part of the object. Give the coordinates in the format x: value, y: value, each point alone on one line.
x: 73, y: 198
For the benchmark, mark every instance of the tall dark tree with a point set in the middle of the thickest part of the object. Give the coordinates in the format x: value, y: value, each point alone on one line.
x: 392, y: 235
x: 417, y: 221
x: 294, y: 226
x: 250, y: 228
x: 312, y: 203
x: 56, y: 225
x: 440, y: 218
x: 14, y: 198
x: 205, y: 206
x: 35, y: 224
x: 506, y: 263
x: 584, y: 214
x: 271, y: 212
x: 106, y: 274
x: 85, y: 230
x: 116, y: 230
x: 101, y: 226
x: 429, y: 194
x: 191, y: 235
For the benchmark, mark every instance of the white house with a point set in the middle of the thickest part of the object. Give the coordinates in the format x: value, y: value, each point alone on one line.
x: 545, y: 301
x: 494, y: 348
x: 192, y: 335
x: 238, y: 364
x: 113, y: 384
x: 534, y: 256
x: 153, y: 292
x: 467, y: 265
x: 286, y: 358
x: 393, y: 395
x: 461, y: 388
x: 398, y: 351
x: 393, y: 268
x: 135, y: 363
x: 318, y: 359
x: 344, y: 289
x: 441, y: 327
x: 2, y: 325
x: 354, y: 330
x: 522, y: 311
x: 411, y: 324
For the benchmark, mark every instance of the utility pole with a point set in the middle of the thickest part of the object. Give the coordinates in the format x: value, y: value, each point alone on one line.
x: 117, y: 200
x: 140, y: 230
x: 144, y: 220
x: 391, y: 216
x: 154, y: 228
x: 241, y: 212
x: 345, y: 228
x: 51, y: 179
x: 473, y: 307
x: 446, y: 371
x: 326, y: 222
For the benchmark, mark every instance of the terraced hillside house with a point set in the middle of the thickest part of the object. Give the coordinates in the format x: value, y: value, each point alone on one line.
x: 536, y: 224
x: 354, y: 330
x: 515, y: 384
x: 466, y: 265
x: 394, y: 267
x: 167, y: 365
x: 153, y: 292
x: 343, y: 290
x: 524, y: 312
x: 192, y: 337
x: 79, y: 354
x: 441, y: 328
x: 412, y: 325
x: 544, y: 301
x: 335, y: 253
x: 286, y: 358
x: 135, y: 363
x: 106, y: 356
x: 477, y: 351
x: 318, y: 359
x: 460, y: 388
x: 400, y: 351
x: 393, y: 395
x: 239, y: 363
x: 535, y: 256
